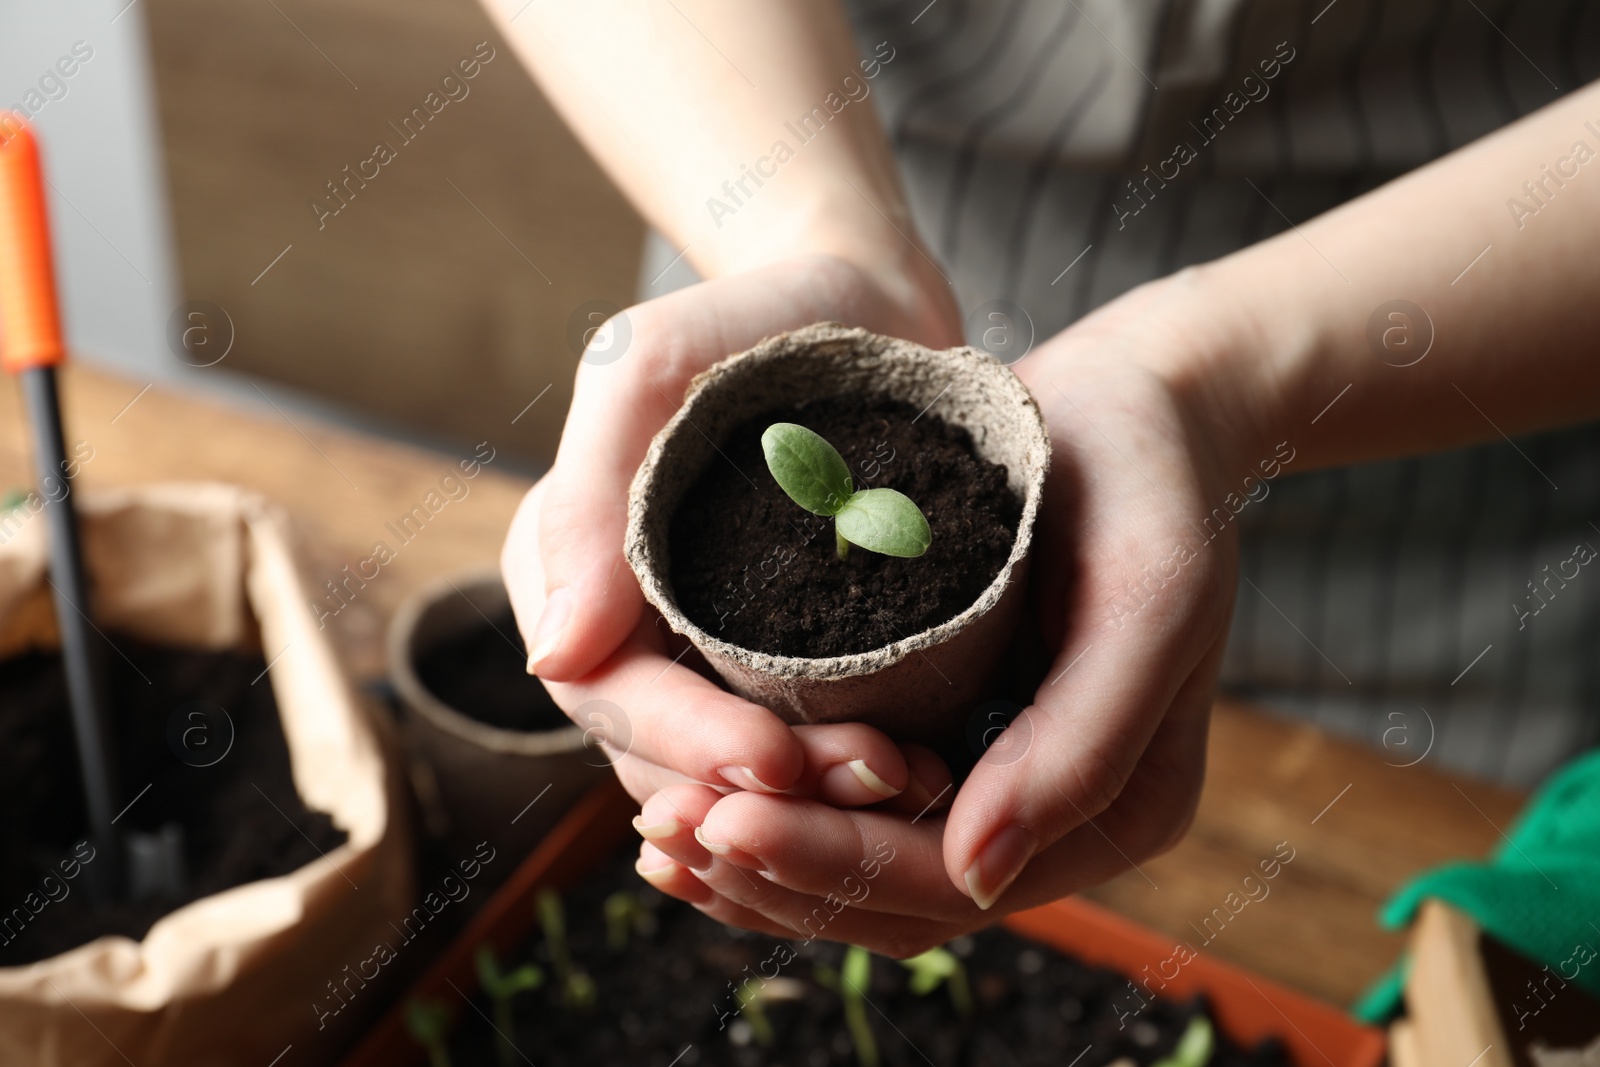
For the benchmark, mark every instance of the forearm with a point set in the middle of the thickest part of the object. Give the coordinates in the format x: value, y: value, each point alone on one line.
x: 1515, y: 331
x: 698, y: 111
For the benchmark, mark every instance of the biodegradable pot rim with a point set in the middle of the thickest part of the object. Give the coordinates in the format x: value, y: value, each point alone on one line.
x: 656, y: 587
x: 417, y: 697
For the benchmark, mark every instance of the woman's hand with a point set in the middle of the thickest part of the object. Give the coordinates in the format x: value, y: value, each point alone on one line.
x: 1103, y: 770
x: 580, y: 609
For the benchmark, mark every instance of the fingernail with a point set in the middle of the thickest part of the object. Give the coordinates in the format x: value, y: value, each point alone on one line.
x: 655, y: 831
x: 654, y: 875
x: 552, y: 627
x: 998, y: 865
x: 745, y: 778
x: 737, y: 857
x: 713, y: 846
x: 866, y: 777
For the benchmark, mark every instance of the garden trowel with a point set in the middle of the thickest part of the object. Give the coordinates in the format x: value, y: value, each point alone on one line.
x: 31, y: 348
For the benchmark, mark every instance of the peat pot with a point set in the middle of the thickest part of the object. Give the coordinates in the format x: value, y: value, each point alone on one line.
x: 922, y: 685
x: 501, y: 759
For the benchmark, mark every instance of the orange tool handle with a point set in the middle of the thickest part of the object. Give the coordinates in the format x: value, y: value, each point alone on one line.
x: 30, y: 324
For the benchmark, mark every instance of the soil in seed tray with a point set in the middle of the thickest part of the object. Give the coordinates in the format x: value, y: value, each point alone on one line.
x: 241, y: 817
x: 752, y: 567
x: 483, y: 673
x: 662, y: 1000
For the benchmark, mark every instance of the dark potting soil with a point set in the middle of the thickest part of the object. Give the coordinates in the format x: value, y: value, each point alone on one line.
x: 242, y: 819
x: 483, y: 673
x: 661, y: 1001
x: 752, y: 567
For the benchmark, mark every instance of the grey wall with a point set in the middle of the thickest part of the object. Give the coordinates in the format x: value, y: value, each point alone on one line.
x: 101, y: 152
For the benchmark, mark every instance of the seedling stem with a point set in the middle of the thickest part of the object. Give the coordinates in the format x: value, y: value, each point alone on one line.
x: 429, y: 1024
x: 577, y: 988
x: 626, y: 915
x: 500, y: 987
x: 855, y: 977
x: 750, y: 1008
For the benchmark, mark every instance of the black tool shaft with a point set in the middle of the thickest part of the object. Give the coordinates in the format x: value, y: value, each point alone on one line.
x: 81, y: 651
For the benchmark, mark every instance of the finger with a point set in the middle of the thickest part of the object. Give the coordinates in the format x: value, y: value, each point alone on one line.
x: 747, y: 900
x: 725, y: 911
x: 932, y: 787
x: 591, y: 599
x: 643, y: 779
x: 677, y: 719
x: 716, y: 906
x: 890, y: 865
x: 520, y: 567
x: 678, y: 881
x: 671, y: 877
x: 878, y: 861
x: 670, y: 818
x: 1077, y: 766
x: 850, y: 765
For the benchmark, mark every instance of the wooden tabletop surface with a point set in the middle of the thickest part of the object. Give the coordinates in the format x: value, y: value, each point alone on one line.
x: 1357, y: 823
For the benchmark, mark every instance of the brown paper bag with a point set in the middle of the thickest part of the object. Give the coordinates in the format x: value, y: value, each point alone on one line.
x: 232, y: 978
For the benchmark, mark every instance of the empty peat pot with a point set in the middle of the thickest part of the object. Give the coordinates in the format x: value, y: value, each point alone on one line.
x: 923, y: 684
x: 491, y: 739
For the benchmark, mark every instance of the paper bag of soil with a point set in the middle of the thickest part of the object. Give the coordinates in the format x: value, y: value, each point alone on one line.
x: 230, y: 978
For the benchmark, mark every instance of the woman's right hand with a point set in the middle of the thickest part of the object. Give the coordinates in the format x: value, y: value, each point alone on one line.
x: 579, y: 607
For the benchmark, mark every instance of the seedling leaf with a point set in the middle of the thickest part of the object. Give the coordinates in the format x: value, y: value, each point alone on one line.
x: 807, y: 467
x: 936, y: 967
x: 930, y: 969
x: 885, y: 521
x: 1194, y: 1048
x: 501, y: 986
x: 498, y: 983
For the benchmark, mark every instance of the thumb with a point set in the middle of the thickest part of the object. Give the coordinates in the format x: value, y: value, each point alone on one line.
x: 1071, y: 760
x: 588, y: 599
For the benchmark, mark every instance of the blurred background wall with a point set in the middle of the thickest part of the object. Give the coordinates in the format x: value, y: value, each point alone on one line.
x: 79, y: 70
x: 427, y: 297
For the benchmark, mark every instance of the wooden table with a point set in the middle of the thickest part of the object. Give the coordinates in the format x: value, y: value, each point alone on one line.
x: 1358, y: 826
x: 340, y: 488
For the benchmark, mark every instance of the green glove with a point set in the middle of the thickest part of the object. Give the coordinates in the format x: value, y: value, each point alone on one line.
x: 1539, y: 892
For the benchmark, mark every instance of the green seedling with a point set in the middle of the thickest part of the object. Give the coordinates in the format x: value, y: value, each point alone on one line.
x: 500, y: 986
x: 1194, y: 1048
x: 817, y: 478
x: 626, y: 916
x: 428, y: 1022
x: 936, y: 967
x: 855, y: 977
x: 577, y: 988
x: 752, y: 1012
